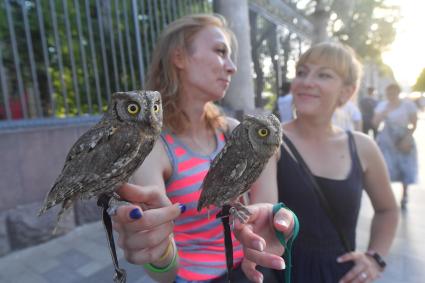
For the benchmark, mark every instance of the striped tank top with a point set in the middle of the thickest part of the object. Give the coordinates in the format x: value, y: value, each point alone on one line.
x: 198, y: 235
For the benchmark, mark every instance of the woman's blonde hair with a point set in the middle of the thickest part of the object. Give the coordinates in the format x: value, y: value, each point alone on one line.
x: 337, y: 56
x: 163, y: 75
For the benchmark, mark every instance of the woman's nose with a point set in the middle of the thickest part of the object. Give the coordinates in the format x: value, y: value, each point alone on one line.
x: 230, y: 66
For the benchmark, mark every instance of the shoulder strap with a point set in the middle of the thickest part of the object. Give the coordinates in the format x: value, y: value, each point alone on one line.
x: 322, y: 198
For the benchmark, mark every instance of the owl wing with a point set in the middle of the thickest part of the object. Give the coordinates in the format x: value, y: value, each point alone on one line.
x: 94, y: 162
x: 89, y: 140
x: 227, y: 176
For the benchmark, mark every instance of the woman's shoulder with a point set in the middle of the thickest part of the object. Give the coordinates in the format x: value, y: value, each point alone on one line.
x: 409, y: 105
x: 231, y: 123
x: 366, y: 147
x: 363, y: 140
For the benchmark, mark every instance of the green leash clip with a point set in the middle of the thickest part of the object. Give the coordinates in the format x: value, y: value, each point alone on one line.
x: 287, y: 244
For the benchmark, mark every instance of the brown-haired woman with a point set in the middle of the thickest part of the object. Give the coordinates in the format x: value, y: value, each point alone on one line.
x: 191, y: 68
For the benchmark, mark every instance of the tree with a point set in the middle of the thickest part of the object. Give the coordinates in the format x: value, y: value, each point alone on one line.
x: 420, y: 82
x: 369, y: 29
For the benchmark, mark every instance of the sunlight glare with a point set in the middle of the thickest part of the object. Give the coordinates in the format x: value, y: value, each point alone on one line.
x: 406, y: 55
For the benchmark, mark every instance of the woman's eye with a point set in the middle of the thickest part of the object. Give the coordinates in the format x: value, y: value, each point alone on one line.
x: 325, y: 75
x: 221, y: 51
x: 301, y: 73
x: 133, y: 108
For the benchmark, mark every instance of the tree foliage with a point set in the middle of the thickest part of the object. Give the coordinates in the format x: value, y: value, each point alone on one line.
x: 420, y: 82
x: 370, y: 29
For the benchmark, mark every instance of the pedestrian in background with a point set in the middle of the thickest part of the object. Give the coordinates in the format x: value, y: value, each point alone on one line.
x: 395, y: 139
x: 337, y: 165
x: 367, y: 106
x: 348, y: 117
x: 284, y: 103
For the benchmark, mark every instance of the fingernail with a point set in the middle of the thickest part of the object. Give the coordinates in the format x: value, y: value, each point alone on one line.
x: 278, y: 264
x: 339, y: 259
x: 259, y: 246
x: 260, y: 278
x: 182, y: 208
x: 135, y: 214
x: 282, y: 221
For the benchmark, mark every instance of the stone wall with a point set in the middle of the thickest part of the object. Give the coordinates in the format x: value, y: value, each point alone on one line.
x: 31, y: 159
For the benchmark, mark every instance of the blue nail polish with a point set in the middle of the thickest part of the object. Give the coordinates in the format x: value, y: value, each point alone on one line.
x: 135, y: 214
x: 182, y: 208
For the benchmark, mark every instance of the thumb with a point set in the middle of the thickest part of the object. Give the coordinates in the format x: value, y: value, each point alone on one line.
x: 284, y: 221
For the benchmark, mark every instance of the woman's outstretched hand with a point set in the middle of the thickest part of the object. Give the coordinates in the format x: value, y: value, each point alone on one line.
x: 144, y: 230
x: 260, y: 244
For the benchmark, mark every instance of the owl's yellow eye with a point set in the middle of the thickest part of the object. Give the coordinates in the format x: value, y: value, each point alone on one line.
x: 156, y: 108
x: 263, y: 132
x: 133, y: 108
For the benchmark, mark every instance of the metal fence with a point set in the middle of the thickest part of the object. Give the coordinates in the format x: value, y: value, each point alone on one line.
x: 64, y: 58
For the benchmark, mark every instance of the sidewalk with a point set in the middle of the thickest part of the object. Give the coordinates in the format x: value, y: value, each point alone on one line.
x: 83, y: 255
x: 79, y: 256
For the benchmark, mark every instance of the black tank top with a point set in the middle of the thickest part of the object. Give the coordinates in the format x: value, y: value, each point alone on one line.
x: 344, y: 197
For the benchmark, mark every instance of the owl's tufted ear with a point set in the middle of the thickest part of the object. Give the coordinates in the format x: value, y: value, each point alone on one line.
x: 118, y: 95
x: 248, y: 117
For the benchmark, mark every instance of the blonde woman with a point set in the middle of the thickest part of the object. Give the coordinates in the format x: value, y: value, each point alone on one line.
x: 343, y: 164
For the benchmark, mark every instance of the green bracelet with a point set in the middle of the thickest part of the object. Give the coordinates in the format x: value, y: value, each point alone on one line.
x: 171, y: 265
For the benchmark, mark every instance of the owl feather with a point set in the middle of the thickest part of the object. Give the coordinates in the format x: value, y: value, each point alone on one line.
x: 105, y: 156
x: 241, y: 161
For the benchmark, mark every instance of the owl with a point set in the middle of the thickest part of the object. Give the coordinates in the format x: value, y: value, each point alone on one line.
x: 240, y: 162
x: 105, y: 156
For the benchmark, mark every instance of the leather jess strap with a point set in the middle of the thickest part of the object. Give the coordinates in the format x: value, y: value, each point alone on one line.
x: 120, y: 275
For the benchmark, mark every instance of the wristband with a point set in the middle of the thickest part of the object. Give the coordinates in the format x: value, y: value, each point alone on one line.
x: 171, y: 265
x: 167, y: 252
x: 377, y: 258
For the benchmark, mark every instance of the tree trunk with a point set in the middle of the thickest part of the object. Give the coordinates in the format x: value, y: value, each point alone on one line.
x: 240, y: 95
x: 320, y: 19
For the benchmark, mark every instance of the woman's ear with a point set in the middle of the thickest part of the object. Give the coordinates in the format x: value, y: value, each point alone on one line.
x: 179, y: 58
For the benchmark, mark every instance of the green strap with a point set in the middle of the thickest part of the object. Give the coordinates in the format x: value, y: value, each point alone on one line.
x: 287, y: 255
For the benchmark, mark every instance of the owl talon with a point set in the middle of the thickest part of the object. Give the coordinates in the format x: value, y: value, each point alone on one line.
x: 240, y: 212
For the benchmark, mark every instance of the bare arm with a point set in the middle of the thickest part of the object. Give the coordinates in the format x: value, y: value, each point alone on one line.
x: 378, y: 187
x: 385, y: 218
x: 147, y: 240
x: 265, y: 188
x: 413, y: 119
x: 378, y: 117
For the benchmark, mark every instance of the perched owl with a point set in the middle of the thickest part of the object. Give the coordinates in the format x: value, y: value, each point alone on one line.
x: 240, y: 162
x: 105, y: 157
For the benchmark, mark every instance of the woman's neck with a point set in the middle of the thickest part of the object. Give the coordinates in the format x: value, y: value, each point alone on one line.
x: 195, y: 113
x: 310, y: 127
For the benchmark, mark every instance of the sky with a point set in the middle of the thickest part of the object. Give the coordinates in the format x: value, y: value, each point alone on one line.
x: 406, y: 55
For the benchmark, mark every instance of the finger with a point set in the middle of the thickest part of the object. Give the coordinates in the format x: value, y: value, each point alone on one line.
x: 248, y: 267
x: 147, y: 255
x: 355, y: 274
x: 146, y: 194
x: 144, y: 239
x: 127, y: 214
x: 249, y: 239
x: 346, y: 257
x: 265, y: 259
x: 284, y: 221
x: 139, y: 220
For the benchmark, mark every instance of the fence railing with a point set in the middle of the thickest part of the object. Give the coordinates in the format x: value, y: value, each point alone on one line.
x: 64, y: 58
